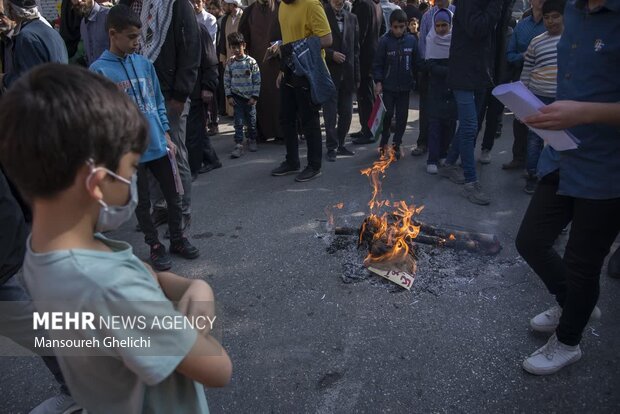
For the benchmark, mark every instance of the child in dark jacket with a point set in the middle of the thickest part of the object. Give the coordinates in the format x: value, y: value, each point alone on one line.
x: 441, y: 105
x: 393, y: 72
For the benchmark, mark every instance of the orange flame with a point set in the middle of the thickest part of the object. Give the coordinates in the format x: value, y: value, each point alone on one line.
x: 330, y: 214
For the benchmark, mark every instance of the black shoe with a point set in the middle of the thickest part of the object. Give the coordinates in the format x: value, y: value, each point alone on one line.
x: 363, y: 141
x: 513, y: 165
x: 530, y: 184
x: 307, y: 174
x: 419, y: 150
x: 284, y: 169
x: 357, y: 134
x: 184, y: 249
x: 159, y: 258
x: 397, y: 153
x: 331, y: 156
x: 344, y: 152
x: 159, y: 217
x: 209, y: 167
x: 613, y: 266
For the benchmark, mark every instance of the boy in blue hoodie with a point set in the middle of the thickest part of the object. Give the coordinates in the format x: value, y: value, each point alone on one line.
x: 136, y: 76
x: 393, y: 72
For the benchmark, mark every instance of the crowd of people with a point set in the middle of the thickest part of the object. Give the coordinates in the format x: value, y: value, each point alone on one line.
x: 163, y: 74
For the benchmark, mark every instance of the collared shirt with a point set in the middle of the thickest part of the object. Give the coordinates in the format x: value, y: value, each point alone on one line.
x: 94, y: 33
x: 588, y: 62
x: 526, y: 30
x: 210, y: 22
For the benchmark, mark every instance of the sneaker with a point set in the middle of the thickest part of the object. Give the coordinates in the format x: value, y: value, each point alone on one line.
x: 284, y: 169
x: 383, y: 151
x: 473, y: 192
x: 363, y: 140
x: 530, y: 184
x: 184, y: 249
x: 159, y: 216
x: 485, y: 157
x: 549, y: 320
x: 344, y: 152
x: 431, y: 169
x: 253, y: 146
x: 454, y: 173
x: 307, y: 174
x: 159, y: 258
x: 237, y: 152
x: 513, y: 165
x: 397, y: 153
x: 209, y: 167
x: 357, y: 134
x: 418, y: 150
x: 331, y: 156
x: 552, y: 357
x: 60, y: 404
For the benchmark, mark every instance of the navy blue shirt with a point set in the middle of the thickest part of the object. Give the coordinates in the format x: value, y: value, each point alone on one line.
x: 588, y: 65
x: 524, y: 32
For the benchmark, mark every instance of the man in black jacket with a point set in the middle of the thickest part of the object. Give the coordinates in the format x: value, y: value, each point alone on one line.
x: 344, y: 66
x: 175, y: 53
x: 371, y: 24
x: 470, y: 73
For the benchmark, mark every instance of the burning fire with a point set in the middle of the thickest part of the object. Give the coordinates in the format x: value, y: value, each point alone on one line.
x: 395, y: 229
x: 330, y: 214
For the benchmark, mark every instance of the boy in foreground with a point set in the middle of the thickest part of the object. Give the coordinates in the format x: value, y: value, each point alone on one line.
x: 89, y: 139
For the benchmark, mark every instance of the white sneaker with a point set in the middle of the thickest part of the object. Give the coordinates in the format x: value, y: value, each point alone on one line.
x: 485, y: 157
x: 552, y: 357
x: 60, y: 404
x: 549, y: 320
x: 431, y: 169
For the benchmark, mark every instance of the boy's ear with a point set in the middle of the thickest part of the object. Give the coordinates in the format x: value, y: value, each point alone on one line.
x: 93, y: 183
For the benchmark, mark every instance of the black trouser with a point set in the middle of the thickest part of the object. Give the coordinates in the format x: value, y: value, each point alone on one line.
x: 396, y: 103
x: 573, y: 279
x: 198, y: 142
x: 296, y: 101
x: 424, y: 118
x: 365, y: 100
x: 494, y: 113
x: 162, y: 171
x: 519, y: 146
x: 337, y: 113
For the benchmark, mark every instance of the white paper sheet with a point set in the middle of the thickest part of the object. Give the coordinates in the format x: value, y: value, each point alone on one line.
x: 520, y: 100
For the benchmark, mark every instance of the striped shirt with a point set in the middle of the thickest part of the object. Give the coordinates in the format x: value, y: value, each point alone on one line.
x: 540, y: 70
x: 242, y: 78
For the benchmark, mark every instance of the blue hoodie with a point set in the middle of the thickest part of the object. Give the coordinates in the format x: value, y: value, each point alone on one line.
x: 135, y: 75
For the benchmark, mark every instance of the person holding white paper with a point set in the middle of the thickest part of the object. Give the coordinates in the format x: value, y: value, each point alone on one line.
x: 540, y: 72
x: 579, y: 186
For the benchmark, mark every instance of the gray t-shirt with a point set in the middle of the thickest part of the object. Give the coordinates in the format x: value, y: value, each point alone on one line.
x: 119, y: 380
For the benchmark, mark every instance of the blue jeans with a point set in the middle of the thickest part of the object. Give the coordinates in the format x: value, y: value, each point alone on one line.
x: 245, y: 114
x: 535, y: 144
x: 468, y: 105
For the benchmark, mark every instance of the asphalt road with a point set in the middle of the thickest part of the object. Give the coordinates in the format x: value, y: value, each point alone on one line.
x: 304, y: 341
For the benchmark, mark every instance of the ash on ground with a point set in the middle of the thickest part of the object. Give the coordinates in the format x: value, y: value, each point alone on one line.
x: 439, y: 270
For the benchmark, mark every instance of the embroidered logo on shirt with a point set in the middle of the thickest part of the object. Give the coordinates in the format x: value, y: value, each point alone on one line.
x: 599, y: 45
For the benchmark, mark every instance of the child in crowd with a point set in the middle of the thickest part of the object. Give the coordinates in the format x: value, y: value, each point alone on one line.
x: 90, y: 136
x: 394, y: 75
x: 136, y: 76
x: 242, y: 87
x: 539, y: 74
x: 441, y: 105
x: 413, y: 26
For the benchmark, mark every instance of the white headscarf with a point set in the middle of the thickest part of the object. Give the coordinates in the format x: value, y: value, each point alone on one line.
x: 438, y: 47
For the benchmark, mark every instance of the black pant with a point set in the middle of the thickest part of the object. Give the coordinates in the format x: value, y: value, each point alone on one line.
x: 494, y: 113
x: 162, y: 171
x: 424, y: 118
x: 573, y: 279
x: 296, y: 101
x: 365, y: 100
x: 337, y: 113
x: 198, y: 142
x: 396, y: 103
x: 519, y: 146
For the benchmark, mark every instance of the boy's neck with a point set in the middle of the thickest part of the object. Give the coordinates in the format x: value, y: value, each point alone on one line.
x: 116, y: 52
x: 559, y: 33
x: 240, y: 57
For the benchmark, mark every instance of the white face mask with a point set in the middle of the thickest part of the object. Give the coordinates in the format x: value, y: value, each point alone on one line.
x: 112, y: 217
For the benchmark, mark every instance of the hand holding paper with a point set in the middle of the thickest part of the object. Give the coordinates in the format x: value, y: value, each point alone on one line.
x: 525, y: 104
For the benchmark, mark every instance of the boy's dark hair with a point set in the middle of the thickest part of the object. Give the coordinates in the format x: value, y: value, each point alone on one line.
x: 398, y: 16
x: 57, y: 117
x: 423, y: 7
x: 120, y: 17
x: 235, y: 39
x: 550, y: 6
x: 216, y: 3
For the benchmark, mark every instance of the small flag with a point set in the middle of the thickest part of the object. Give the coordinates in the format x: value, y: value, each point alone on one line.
x: 175, y: 172
x: 375, y: 121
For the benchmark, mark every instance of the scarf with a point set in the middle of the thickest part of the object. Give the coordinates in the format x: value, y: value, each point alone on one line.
x: 156, y: 16
x: 438, y: 47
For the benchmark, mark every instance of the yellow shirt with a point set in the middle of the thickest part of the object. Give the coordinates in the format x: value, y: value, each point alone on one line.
x: 301, y: 19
